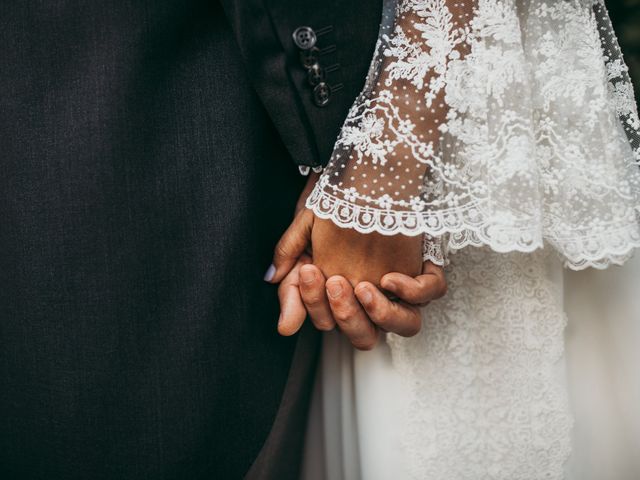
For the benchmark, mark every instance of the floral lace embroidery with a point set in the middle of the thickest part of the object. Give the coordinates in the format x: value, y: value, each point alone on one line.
x: 489, y: 398
x: 506, y: 123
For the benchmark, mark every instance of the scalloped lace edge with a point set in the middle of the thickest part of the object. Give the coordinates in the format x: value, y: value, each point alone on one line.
x: 466, y: 234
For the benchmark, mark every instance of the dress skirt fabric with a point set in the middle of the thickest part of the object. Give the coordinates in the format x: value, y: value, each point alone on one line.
x: 378, y: 415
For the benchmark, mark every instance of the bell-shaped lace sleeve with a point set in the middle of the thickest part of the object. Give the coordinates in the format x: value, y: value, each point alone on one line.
x: 507, y: 123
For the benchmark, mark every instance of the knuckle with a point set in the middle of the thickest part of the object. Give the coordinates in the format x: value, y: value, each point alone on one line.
x: 414, y: 295
x: 406, y: 290
x: 312, y: 300
x: 344, y: 313
x: 281, y: 250
x: 386, y: 314
x: 411, y: 293
x: 305, y: 216
x: 382, y: 317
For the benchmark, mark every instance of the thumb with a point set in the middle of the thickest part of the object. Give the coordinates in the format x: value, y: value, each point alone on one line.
x: 292, y: 244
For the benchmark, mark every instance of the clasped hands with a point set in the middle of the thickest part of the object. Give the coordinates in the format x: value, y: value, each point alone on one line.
x: 361, y: 283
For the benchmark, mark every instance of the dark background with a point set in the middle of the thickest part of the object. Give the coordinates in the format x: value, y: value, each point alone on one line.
x: 625, y: 15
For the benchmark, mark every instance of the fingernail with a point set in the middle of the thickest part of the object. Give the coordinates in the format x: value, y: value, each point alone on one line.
x: 271, y: 271
x: 365, y: 296
x: 307, y: 275
x: 334, y: 290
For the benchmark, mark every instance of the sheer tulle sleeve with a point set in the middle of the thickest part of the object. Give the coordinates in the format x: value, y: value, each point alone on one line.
x: 507, y: 123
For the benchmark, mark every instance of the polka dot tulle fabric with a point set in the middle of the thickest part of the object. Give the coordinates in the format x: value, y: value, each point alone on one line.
x: 504, y: 123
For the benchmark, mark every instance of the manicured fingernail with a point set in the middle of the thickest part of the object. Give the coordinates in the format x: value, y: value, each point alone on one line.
x: 271, y: 271
x: 365, y: 296
x: 334, y: 290
x: 307, y: 275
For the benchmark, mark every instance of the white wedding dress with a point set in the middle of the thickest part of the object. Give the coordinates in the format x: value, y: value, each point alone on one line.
x: 506, y: 133
x: 362, y: 403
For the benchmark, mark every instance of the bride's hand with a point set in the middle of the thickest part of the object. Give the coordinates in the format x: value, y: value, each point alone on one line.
x: 340, y: 251
x: 360, y: 257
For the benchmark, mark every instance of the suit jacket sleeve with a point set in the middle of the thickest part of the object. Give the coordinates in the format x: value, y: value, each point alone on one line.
x: 346, y: 38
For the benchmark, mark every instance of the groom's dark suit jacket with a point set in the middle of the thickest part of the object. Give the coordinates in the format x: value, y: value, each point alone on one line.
x: 147, y: 168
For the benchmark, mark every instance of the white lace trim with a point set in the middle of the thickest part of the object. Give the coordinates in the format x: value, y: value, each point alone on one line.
x: 494, y: 122
x: 450, y: 231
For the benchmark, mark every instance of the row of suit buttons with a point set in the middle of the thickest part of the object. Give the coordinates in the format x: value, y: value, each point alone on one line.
x: 306, y: 39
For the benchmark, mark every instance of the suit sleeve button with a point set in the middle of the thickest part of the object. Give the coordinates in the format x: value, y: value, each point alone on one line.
x: 321, y: 94
x: 309, y: 57
x: 315, y: 74
x: 304, y: 38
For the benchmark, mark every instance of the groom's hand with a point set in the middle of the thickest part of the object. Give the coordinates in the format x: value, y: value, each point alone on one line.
x: 362, y: 311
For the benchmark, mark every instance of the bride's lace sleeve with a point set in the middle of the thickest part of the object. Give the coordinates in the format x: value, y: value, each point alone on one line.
x: 508, y: 123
